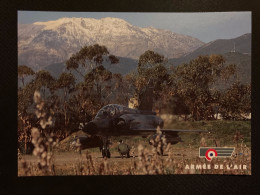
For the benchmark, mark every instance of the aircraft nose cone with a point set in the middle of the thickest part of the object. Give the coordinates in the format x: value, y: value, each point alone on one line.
x: 90, y: 128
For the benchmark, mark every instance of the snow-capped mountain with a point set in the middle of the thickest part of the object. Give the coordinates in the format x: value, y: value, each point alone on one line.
x: 44, y: 43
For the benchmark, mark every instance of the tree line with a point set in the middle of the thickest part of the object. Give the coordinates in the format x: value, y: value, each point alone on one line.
x: 190, y: 90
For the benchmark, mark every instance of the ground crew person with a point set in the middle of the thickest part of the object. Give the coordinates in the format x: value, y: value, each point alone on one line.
x: 123, y: 149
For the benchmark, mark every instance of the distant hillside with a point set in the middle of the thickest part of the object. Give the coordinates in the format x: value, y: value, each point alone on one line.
x: 240, y: 44
x: 243, y: 62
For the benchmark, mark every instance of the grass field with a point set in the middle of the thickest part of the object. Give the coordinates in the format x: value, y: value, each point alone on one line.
x: 177, y: 159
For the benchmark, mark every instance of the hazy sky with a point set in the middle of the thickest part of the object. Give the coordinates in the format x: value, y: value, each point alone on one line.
x: 206, y: 26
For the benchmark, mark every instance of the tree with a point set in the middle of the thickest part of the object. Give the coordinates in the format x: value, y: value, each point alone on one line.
x: 113, y: 59
x: 25, y: 101
x: 94, y: 91
x: 23, y: 71
x: 148, y: 59
x: 66, y: 82
x: 44, y: 80
x: 150, y: 79
x: 26, y: 107
x: 99, y: 81
x: 89, y: 57
x: 25, y: 97
x: 120, y: 89
x: 235, y: 102
x: 195, y: 81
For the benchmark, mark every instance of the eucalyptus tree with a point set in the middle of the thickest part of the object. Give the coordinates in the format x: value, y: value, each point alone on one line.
x: 195, y: 81
x: 121, y: 91
x: 24, y: 71
x: 25, y: 100
x: 150, y: 79
x: 99, y: 81
x: 44, y: 81
x: 96, y: 87
x: 25, y: 116
x: 89, y: 57
x: 66, y: 82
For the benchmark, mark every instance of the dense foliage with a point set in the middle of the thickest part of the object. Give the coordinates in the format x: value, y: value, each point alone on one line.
x: 188, y: 90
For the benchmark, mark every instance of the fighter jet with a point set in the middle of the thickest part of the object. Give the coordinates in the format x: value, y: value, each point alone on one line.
x: 118, y: 120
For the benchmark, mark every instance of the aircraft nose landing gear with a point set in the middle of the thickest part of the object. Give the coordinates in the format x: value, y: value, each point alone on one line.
x: 105, y: 149
x: 105, y: 152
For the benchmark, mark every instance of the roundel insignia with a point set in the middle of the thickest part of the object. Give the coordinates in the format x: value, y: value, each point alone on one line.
x: 210, y: 153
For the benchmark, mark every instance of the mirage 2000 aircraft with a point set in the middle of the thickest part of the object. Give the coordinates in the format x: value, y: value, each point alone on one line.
x: 118, y: 120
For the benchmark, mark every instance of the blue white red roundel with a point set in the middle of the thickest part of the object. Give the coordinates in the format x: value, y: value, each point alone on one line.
x: 210, y: 153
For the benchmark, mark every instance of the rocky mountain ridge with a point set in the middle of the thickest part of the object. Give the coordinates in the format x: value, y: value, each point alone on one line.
x: 44, y: 43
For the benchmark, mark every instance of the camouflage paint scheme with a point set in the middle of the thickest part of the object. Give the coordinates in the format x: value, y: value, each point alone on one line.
x: 118, y: 120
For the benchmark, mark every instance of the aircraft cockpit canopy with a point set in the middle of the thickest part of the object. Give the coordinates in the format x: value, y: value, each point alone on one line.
x: 110, y: 111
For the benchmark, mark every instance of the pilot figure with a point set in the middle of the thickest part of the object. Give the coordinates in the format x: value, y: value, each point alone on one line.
x: 123, y: 149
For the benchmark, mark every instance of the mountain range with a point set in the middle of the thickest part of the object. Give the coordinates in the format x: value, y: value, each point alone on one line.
x: 47, y: 45
x: 44, y: 43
